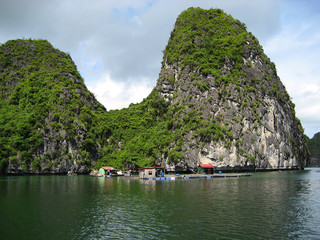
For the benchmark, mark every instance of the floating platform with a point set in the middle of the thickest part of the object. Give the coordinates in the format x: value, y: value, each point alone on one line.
x: 193, y: 176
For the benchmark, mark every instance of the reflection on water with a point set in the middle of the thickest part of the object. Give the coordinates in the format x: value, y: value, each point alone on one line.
x: 274, y: 205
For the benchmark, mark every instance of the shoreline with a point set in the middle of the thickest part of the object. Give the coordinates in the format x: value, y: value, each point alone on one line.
x: 183, y: 176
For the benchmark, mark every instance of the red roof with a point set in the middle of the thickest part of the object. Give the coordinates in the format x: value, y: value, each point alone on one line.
x: 153, y: 167
x: 206, y: 166
x: 109, y: 168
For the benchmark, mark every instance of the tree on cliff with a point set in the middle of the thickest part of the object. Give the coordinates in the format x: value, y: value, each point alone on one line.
x: 49, y: 121
x: 218, y: 100
x: 225, y: 104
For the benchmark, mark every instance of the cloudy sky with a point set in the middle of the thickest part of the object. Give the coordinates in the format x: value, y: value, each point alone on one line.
x: 117, y: 44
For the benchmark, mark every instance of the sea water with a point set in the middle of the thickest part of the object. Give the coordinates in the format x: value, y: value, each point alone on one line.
x: 270, y: 205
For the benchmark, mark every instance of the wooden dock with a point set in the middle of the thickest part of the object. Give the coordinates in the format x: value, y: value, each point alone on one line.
x: 204, y: 176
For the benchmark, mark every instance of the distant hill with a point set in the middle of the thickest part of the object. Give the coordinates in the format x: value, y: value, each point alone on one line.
x: 217, y: 100
x: 314, y: 148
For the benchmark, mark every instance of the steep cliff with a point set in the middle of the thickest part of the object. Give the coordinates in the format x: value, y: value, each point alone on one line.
x: 48, y: 118
x: 314, y: 147
x: 217, y: 100
x: 228, y: 102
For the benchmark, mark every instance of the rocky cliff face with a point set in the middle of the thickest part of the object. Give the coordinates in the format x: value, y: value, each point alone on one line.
x: 215, y: 74
x: 48, y: 118
x: 218, y: 100
x: 314, y: 147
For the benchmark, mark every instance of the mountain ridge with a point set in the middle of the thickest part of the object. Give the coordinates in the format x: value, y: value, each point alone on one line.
x: 217, y: 100
x: 247, y: 118
x: 45, y: 109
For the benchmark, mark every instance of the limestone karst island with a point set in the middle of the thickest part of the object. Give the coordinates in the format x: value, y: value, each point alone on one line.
x: 218, y: 100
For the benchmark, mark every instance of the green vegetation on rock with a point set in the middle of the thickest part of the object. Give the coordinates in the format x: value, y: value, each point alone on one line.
x: 44, y: 102
x: 223, y: 78
x: 204, y: 39
x: 314, y: 148
x: 218, y: 99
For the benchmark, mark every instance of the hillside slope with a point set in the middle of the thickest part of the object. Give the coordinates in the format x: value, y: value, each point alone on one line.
x: 229, y: 104
x: 49, y: 121
x: 221, y: 103
x: 217, y: 100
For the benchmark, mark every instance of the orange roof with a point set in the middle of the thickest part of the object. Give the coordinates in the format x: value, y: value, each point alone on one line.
x: 206, y: 166
x: 152, y: 167
x: 109, y: 168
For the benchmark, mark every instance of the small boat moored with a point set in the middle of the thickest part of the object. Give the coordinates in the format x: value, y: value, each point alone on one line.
x: 110, y: 172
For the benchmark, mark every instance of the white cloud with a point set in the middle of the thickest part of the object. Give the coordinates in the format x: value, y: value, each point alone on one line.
x: 295, y: 51
x: 118, y: 95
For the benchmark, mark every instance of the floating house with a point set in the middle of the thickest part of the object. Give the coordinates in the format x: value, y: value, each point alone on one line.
x: 206, y: 168
x: 109, y: 171
x: 151, y: 172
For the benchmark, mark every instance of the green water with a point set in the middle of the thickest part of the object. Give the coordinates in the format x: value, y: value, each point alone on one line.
x: 273, y: 205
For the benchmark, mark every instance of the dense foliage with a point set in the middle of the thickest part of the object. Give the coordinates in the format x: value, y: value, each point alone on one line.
x: 204, y: 38
x: 138, y: 134
x: 314, y: 148
x: 41, y: 96
x: 201, y: 43
x: 47, y: 115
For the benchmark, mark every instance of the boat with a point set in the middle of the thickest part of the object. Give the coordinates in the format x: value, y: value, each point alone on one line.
x: 110, y: 172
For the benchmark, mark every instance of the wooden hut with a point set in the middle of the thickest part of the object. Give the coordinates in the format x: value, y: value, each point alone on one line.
x: 108, y: 171
x: 151, y: 172
x: 206, y: 168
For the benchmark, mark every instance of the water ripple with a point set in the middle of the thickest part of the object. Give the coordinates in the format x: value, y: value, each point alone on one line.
x: 270, y: 205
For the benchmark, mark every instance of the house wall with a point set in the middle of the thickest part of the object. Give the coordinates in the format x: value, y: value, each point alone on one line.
x: 141, y: 174
x: 147, y: 173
